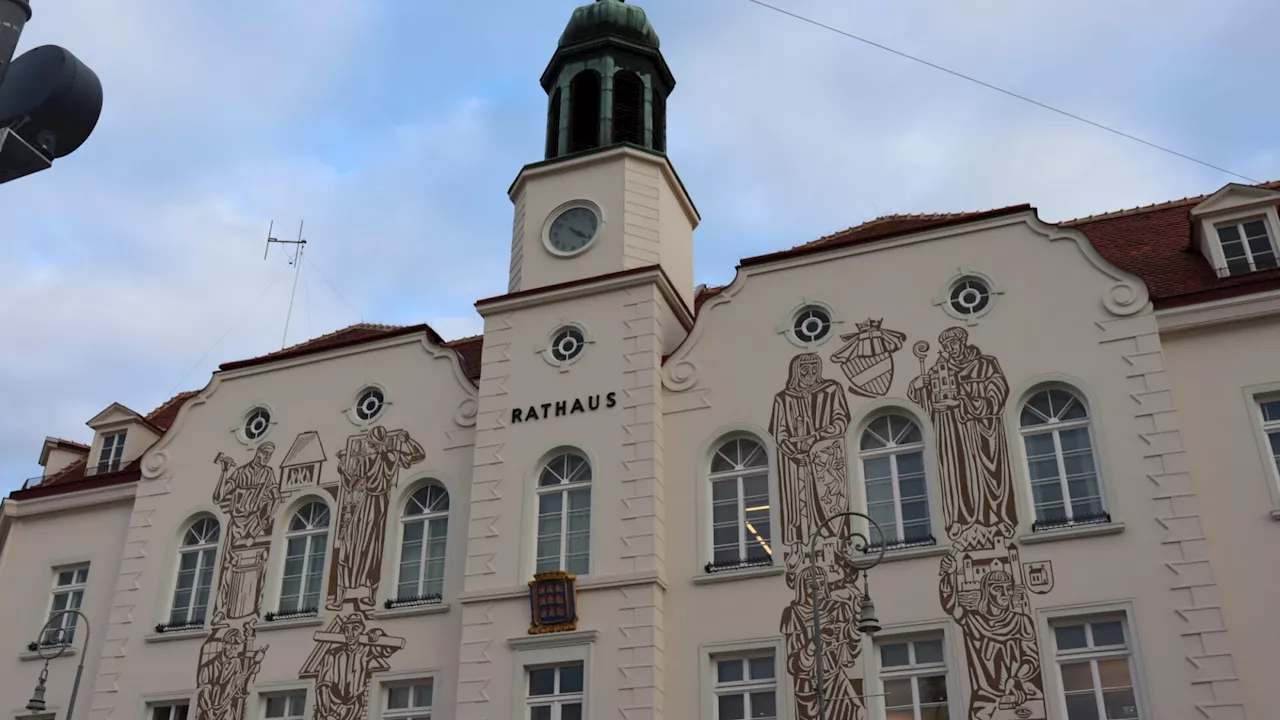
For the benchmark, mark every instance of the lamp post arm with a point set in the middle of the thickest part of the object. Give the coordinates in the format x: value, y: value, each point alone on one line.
x: 818, y: 670
x: 84, y: 650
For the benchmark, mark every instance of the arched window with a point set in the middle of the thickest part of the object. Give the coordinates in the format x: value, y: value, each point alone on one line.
x: 424, y: 528
x: 628, y: 107
x: 740, y: 530
x: 553, y: 125
x: 584, y: 111
x: 564, y: 515
x: 196, y: 561
x: 305, y: 546
x: 1060, y: 462
x: 892, y: 454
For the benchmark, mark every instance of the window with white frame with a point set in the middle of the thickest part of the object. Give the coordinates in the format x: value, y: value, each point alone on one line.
x: 305, y: 546
x: 1270, y: 410
x: 564, y: 515
x: 914, y: 676
x: 68, y: 593
x: 408, y: 701
x: 1246, y: 245
x: 112, y: 452
x: 196, y: 559
x: 1061, y: 466
x: 1095, y: 669
x: 556, y: 692
x: 892, y: 454
x: 286, y: 706
x: 424, y: 530
x: 739, y: 504
x: 746, y: 686
x: 168, y: 711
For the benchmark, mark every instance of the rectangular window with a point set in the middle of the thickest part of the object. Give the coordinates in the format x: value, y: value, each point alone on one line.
x: 169, y: 711
x: 286, y: 706
x: 1271, y: 426
x: 1247, y: 246
x: 1095, y: 669
x: 564, y: 531
x: 68, y: 594
x: 408, y: 701
x: 112, y: 451
x: 745, y: 686
x: 914, y: 675
x: 555, y: 692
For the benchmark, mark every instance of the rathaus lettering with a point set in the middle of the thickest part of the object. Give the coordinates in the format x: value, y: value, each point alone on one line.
x: 563, y: 407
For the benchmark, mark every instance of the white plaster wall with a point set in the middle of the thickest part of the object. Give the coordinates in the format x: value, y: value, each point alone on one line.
x: 1049, y: 323
x: 427, y: 396
x: 1217, y: 372
x: 643, y: 221
x: 36, y: 544
x: 623, y: 443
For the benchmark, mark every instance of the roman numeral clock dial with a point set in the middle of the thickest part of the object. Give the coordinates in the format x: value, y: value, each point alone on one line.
x: 573, y: 230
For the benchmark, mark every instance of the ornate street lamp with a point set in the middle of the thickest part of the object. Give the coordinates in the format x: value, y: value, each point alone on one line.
x: 868, y: 624
x: 37, y: 704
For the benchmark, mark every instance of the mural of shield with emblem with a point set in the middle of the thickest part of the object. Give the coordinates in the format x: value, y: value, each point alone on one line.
x: 867, y: 358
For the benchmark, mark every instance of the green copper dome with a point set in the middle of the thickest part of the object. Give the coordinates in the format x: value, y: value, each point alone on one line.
x: 609, y: 18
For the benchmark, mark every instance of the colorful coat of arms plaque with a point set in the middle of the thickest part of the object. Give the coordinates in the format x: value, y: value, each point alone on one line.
x: 553, y: 602
x: 867, y: 358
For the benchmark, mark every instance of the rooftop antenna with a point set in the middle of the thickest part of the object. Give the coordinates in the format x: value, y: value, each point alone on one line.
x: 296, y: 262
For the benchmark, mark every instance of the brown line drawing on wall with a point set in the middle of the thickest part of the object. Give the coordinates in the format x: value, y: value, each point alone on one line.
x: 343, y: 662
x: 229, y: 660
x: 964, y: 393
x: 369, y: 467
x: 982, y: 585
x: 867, y: 358
x: 808, y: 424
x: 349, y: 651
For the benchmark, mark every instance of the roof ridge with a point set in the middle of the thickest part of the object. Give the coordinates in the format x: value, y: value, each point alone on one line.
x: 1167, y: 204
x: 169, y: 403
x: 357, y: 326
x: 64, y: 440
x: 459, y: 341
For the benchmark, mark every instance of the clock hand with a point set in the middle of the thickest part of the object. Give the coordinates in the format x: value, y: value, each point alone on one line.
x: 578, y: 232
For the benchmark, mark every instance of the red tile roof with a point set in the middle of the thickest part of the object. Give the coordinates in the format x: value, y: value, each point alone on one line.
x: 69, y: 445
x: 469, y: 350
x: 163, y: 416
x: 884, y: 227
x: 1155, y: 243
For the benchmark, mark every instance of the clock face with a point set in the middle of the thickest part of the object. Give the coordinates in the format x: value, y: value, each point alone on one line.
x: 573, y: 230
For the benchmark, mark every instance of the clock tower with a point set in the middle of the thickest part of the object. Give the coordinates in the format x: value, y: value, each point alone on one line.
x: 605, y: 198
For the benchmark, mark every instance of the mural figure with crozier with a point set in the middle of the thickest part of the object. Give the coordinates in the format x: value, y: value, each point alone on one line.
x: 981, y: 583
x: 965, y: 394
x: 808, y: 423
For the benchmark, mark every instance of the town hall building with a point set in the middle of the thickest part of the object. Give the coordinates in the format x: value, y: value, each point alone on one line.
x: 971, y: 465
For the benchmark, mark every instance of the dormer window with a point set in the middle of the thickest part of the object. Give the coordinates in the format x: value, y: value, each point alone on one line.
x: 1238, y: 229
x: 1247, y: 245
x: 112, y: 452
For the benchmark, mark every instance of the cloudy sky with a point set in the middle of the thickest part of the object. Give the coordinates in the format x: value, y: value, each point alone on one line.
x: 394, y: 127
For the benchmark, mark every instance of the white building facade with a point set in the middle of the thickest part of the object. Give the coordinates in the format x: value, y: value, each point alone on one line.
x: 1067, y: 435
